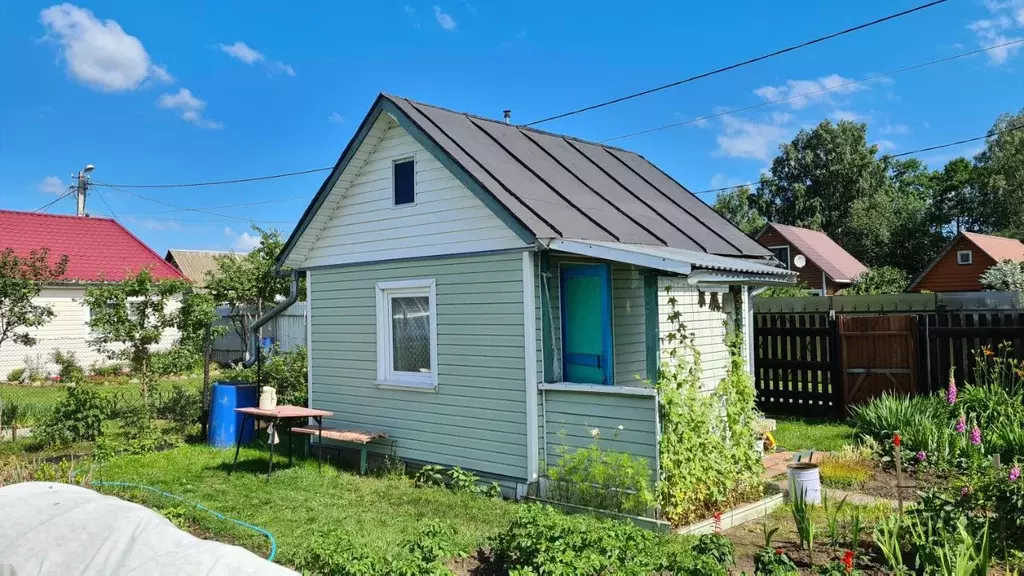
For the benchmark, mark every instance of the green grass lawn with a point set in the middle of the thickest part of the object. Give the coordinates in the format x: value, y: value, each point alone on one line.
x: 379, y: 514
x: 811, y: 434
x: 37, y: 401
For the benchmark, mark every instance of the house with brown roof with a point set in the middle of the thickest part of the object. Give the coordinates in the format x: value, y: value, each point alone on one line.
x: 960, y: 265
x: 98, y: 250
x: 195, y: 264
x: 827, y: 267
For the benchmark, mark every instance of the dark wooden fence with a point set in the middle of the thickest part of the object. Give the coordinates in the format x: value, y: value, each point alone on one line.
x: 805, y: 366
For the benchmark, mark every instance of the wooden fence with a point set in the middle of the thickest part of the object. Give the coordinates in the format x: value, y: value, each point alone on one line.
x: 818, y: 363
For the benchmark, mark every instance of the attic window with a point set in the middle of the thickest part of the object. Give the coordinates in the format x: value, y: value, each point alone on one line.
x: 781, y: 254
x: 964, y: 257
x: 404, y: 181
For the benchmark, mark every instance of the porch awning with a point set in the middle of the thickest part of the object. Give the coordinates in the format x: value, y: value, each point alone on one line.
x: 698, y: 267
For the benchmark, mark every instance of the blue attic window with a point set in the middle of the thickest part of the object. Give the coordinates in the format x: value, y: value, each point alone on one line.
x: 404, y: 181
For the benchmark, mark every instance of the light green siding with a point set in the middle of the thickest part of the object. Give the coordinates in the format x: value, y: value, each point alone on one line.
x: 707, y: 327
x: 477, y: 417
x: 570, y: 418
x: 628, y: 322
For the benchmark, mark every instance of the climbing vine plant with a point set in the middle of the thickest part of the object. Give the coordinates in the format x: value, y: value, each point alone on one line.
x: 707, y: 457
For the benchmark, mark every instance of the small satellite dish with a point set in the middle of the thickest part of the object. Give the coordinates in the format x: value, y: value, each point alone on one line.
x: 799, y: 261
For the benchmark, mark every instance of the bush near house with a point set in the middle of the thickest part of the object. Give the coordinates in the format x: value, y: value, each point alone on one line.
x: 285, y: 371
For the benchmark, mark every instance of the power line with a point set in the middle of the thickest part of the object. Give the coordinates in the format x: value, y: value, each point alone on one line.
x: 109, y: 209
x: 736, y: 65
x: 239, y: 205
x: 883, y: 157
x: 220, y: 182
x: 864, y: 80
x: 55, y: 200
x: 199, y: 210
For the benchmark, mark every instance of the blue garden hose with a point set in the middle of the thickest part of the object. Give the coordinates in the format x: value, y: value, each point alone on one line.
x: 270, y: 537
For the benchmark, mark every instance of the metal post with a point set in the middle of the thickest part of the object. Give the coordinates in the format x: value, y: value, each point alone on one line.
x: 205, y: 416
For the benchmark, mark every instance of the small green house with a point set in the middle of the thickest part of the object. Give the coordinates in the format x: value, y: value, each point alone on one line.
x: 485, y: 293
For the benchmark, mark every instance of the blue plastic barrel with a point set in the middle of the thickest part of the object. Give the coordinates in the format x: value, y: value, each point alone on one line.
x: 224, y: 421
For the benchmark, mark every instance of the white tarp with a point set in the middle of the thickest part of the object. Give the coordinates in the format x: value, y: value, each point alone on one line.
x: 52, y: 528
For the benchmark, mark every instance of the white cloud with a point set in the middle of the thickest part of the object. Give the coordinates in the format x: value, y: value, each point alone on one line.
x: 885, y: 145
x: 802, y: 93
x: 243, y: 242
x: 51, y: 185
x: 1004, y: 26
x: 241, y: 51
x: 247, y: 55
x: 189, y: 106
x: 154, y: 224
x: 98, y: 53
x: 850, y: 116
x: 896, y: 128
x: 335, y: 118
x: 444, y: 19
x: 743, y: 138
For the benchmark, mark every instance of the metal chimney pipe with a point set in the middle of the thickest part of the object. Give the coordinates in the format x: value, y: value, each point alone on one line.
x: 508, y: 116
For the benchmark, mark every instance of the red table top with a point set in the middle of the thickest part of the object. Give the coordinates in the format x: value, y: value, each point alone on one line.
x: 285, y: 411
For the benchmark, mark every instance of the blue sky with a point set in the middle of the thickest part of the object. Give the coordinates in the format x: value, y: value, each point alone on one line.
x: 192, y: 91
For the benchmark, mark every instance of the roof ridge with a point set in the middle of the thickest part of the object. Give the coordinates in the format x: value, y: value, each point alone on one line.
x: 44, y: 214
x: 519, y: 126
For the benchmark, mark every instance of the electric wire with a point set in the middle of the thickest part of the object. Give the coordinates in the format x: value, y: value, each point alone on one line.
x: 737, y: 65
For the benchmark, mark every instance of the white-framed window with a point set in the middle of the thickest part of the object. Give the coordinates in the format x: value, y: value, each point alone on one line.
x: 403, y: 181
x: 964, y: 257
x: 781, y: 254
x: 407, y: 333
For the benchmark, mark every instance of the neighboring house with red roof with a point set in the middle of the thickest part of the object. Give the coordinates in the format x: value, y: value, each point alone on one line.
x: 98, y: 250
x: 960, y: 265
x: 828, y: 266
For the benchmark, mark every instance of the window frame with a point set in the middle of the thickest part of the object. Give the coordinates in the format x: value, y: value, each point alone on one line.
x: 789, y: 254
x: 394, y: 183
x: 387, y: 376
x: 970, y: 257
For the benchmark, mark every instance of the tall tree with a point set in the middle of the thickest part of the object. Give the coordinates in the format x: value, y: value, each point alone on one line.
x: 817, y: 178
x: 736, y: 206
x: 955, y: 198
x: 21, y: 280
x: 249, y: 285
x: 131, y: 316
x: 1001, y: 178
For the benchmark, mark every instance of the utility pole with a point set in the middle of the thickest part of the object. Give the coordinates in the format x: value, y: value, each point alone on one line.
x: 82, y: 186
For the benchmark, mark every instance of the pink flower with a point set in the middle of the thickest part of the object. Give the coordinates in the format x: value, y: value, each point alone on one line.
x: 1014, y: 473
x: 961, y: 425
x: 921, y: 456
x: 951, y: 392
x: 975, y: 435
x: 964, y: 492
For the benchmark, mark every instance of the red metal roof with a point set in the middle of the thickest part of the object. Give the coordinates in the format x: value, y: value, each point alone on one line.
x: 98, y: 249
x: 823, y: 252
x: 997, y: 247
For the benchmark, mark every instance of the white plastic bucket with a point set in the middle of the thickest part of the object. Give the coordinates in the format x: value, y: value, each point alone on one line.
x: 805, y: 477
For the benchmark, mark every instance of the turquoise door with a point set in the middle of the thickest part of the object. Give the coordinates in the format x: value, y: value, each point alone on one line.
x: 586, y: 323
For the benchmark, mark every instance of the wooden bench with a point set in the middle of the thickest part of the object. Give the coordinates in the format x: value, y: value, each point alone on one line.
x: 354, y: 438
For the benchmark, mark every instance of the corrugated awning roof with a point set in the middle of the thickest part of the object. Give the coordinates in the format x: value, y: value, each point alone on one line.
x: 676, y: 260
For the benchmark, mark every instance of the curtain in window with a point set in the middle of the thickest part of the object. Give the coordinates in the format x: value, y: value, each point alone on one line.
x: 410, y: 331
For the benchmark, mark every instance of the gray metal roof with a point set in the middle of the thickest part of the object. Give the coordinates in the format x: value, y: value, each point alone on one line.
x: 562, y: 187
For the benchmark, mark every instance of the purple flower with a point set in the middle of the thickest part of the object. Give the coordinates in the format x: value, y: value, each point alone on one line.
x: 961, y: 425
x: 921, y: 456
x: 1014, y: 473
x: 951, y: 392
x: 975, y: 435
x: 964, y: 492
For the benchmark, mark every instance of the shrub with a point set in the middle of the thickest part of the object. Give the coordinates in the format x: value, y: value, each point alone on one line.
x: 770, y: 562
x: 541, y: 540
x: 1006, y: 275
x: 77, y: 416
x: 333, y: 552
x: 16, y: 375
x: 183, y: 406
x: 285, y: 371
x: 601, y: 479
x: 108, y: 370
x: 70, y: 369
x: 175, y: 360
x: 922, y: 421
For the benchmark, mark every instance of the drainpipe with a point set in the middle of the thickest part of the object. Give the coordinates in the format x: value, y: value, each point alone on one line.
x: 256, y: 358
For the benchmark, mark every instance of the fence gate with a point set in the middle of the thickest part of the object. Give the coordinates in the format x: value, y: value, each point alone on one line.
x: 879, y: 354
x: 796, y: 364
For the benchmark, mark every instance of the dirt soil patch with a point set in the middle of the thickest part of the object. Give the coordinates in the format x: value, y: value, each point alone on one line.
x: 882, y: 484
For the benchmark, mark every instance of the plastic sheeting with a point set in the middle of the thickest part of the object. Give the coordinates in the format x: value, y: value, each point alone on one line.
x: 51, y: 528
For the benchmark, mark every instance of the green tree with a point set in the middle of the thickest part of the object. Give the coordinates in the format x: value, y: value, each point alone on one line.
x: 817, y: 179
x: 883, y: 280
x: 131, y: 316
x: 249, y: 285
x: 21, y: 279
x: 1007, y: 275
x: 1001, y: 175
x: 956, y: 202
x: 737, y: 207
